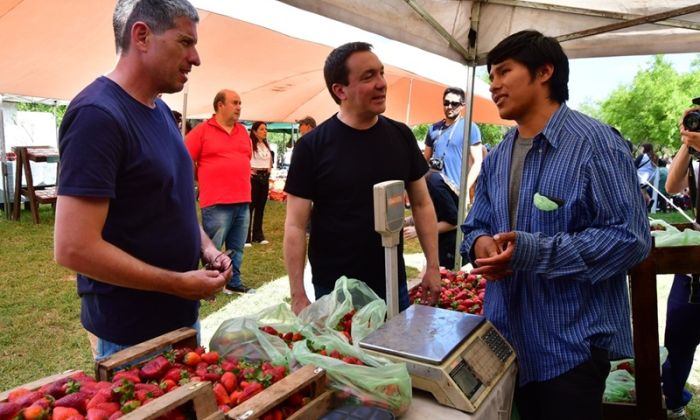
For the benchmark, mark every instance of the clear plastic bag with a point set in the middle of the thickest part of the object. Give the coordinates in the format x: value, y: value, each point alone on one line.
x: 348, y: 294
x: 379, y: 383
x: 242, y: 338
x: 666, y: 235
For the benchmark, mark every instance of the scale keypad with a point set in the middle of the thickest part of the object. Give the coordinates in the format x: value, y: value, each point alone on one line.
x: 497, y: 344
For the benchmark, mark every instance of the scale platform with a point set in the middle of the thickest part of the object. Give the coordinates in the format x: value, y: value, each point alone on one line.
x: 459, y: 358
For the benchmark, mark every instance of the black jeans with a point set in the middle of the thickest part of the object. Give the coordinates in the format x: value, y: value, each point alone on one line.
x: 576, y: 394
x: 260, y: 187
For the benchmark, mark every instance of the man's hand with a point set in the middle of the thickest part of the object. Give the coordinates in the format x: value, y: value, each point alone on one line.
x: 493, y: 255
x: 200, y: 284
x: 299, y: 303
x: 409, y: 232
x: 431, y: 284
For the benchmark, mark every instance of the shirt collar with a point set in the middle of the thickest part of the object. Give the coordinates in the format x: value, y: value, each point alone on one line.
x: 552, y: 130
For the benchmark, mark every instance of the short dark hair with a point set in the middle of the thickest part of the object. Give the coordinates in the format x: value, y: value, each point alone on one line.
x: 307, y: 120
x: 456, y: 91
x: 533, y: 49
x: 336, y: 70
x: 159, y: 15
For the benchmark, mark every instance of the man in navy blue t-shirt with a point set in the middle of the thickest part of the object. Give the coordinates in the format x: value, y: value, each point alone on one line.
x: 125, y: 216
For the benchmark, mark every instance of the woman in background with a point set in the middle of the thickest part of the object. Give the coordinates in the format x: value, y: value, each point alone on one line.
x: 260, y: 167
x: 646, y: 170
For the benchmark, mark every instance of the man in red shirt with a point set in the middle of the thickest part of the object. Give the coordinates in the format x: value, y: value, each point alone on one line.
x: 221, y: 150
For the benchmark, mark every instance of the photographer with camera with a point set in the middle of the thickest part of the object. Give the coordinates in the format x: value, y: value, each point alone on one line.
x: 445, y: 141
x: 683, y: 308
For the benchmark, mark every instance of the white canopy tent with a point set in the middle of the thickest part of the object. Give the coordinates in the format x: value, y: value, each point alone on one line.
x: 466, y: 30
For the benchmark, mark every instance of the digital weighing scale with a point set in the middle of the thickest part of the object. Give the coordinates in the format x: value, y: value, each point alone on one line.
x: 459, y: 358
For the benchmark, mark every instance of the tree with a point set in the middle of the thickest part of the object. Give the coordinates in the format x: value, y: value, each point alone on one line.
x: 649, y: 108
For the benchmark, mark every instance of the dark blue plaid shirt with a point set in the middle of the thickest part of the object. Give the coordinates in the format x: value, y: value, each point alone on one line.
x: 568, y: 291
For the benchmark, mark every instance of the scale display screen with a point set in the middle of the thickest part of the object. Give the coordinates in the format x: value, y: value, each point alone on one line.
x: 465, y: 380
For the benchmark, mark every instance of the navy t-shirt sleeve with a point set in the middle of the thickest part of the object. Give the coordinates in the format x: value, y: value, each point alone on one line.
x: 300, y: 176
x: 90, y: 148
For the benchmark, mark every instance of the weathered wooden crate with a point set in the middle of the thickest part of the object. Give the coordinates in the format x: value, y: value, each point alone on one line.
x: 199, y: 394
x: 182, y: 337
x: 309, y: 377
x: 34, y: 385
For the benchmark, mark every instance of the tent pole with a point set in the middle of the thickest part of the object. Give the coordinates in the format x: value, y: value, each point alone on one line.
x: 3, y: 165
x: 408, y: 102
x: 475, y: 17
x: 466, y: 151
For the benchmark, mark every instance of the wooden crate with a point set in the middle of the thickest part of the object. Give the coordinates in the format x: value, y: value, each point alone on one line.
x: 309, y: 376
x: 32, y: 386
x: 182, y: 337
x: 199, y: 394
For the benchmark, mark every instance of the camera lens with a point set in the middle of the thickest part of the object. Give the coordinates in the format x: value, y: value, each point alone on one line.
x: 691, y: 121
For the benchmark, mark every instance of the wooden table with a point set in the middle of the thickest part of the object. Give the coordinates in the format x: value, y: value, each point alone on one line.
x: 672, y: 260
x: 35, y: 194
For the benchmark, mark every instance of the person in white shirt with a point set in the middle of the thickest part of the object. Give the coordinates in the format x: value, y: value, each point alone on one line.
x: 260, y: 167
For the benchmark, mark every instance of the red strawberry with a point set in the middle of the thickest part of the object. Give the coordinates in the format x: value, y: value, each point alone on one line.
x: 222, y: 397
x: 25, y: 400
x: 77, y: 400
x: 210, y: 358
x: 116, y: 415
x: 109, y: 407
x: 34, y: 412
x: 168, y: 385
x: 97, y: 414
x: 8, y: 410
x: 249, y: 391
x: 65, y: 413
x: 192, y: 359
x: 128, y: 375
x: 229, y: 381
x: 155, y: 369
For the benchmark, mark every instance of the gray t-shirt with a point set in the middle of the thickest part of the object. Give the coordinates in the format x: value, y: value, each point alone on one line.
x: 520, y: 148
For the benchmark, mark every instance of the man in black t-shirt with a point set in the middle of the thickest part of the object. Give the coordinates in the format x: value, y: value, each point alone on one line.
x: 336, y: 167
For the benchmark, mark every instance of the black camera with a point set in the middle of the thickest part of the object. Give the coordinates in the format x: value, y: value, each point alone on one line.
x: 691, y: 122
x: 436, y: 164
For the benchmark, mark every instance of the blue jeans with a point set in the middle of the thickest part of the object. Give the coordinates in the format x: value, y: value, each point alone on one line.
x: 228, y: 224
x: 107, y: 348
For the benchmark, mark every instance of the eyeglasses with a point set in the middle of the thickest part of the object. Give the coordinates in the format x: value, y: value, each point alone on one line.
x: 216, y: 263
x: 451, y: 104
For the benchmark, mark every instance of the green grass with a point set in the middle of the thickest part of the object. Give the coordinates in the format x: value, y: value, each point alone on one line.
x: 40, y: 331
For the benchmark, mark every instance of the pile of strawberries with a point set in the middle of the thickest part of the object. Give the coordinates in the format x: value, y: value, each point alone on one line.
x: 345, y: 325
x: 80, y: 396
x: 461, y: 292
x: 291, y: 337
